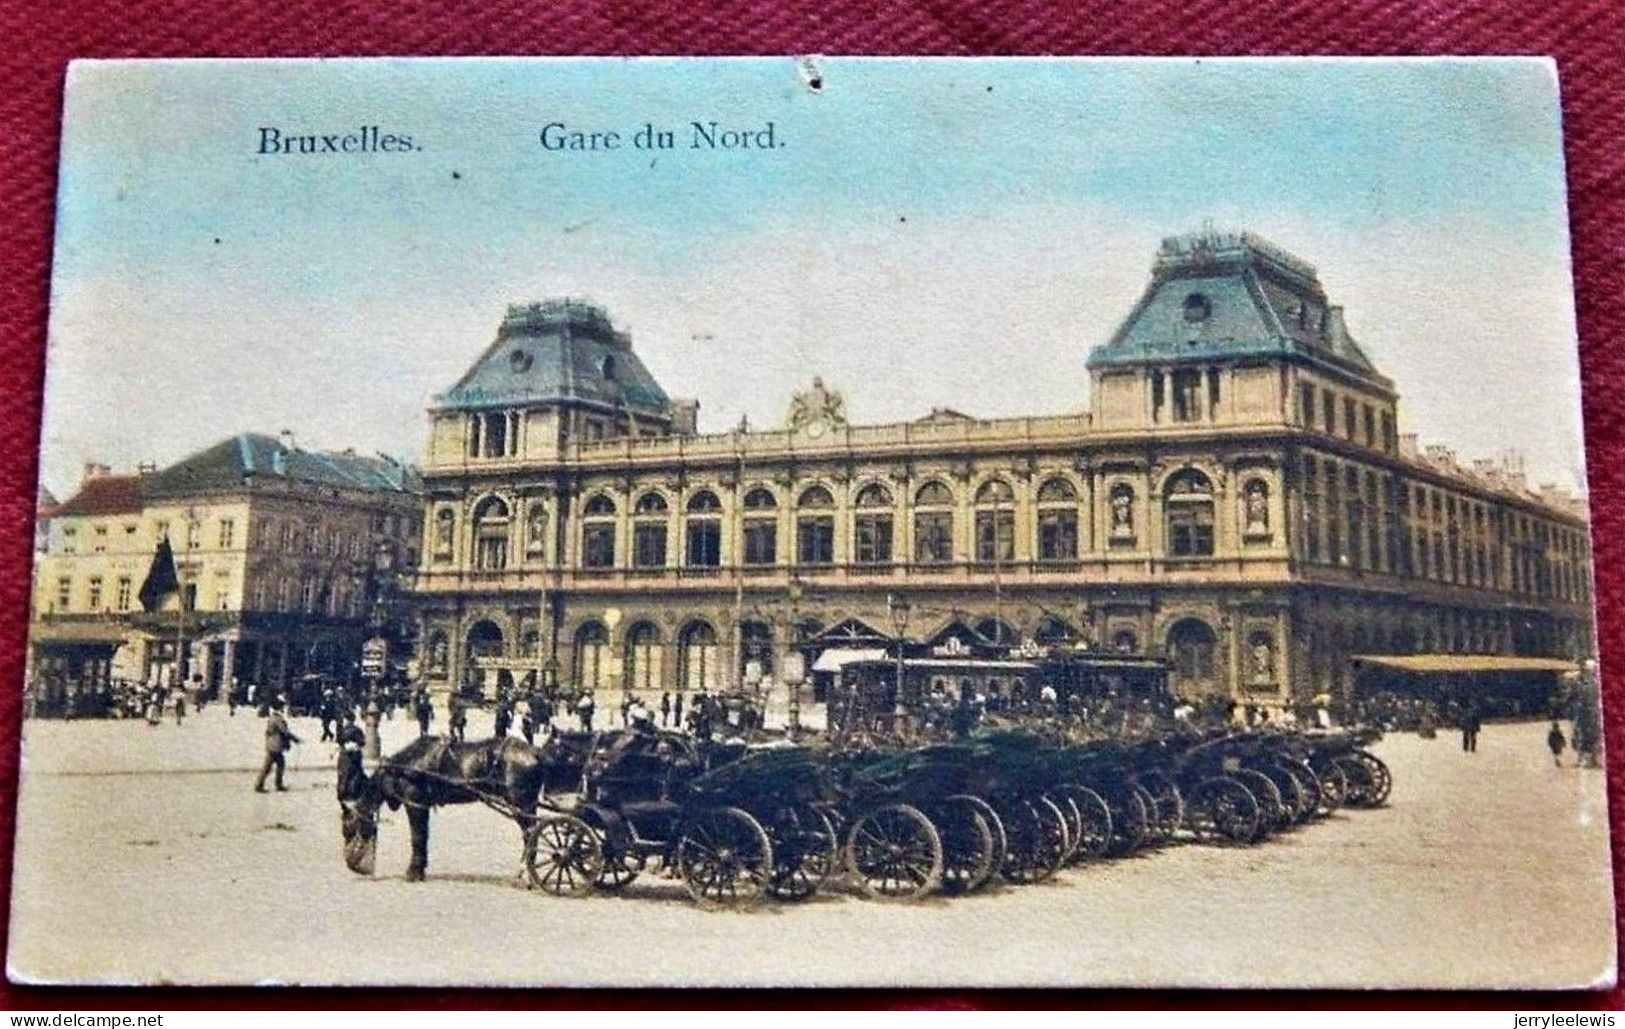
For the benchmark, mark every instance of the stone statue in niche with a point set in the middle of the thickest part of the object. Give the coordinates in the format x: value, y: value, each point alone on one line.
x: 1122, y: 504
x: 1261, y: 660
x: 443, y: 532
x: 1256, y: 509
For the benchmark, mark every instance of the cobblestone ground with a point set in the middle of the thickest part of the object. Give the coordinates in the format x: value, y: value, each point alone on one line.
x: 143, y: 856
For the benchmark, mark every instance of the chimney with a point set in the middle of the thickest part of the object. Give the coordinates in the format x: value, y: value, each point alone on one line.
x: 685, y: 417
x: 285, y: 439
x: 1440, y: 454
x: 94, y: 470
x: 146, y: 467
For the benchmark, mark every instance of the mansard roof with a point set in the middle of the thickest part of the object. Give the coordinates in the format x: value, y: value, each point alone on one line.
x: 1229, y: 295
x: 559, y: 350
x: 231, y: 462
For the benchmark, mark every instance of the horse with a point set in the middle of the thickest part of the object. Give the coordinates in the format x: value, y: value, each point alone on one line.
x: 431, y: 771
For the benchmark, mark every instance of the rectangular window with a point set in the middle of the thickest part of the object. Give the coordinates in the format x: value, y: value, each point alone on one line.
x: 1057, y: 535
x: 1349, y: 412
x: 1328, y: 412
x: 222, y: 600
x: 70, y: 540
x: 705, y: 543
x: 1156, y: 396
x: 64, y: 593
x: 95, y: 597
x: 228, y: 530
x: 101, y: 539
x: 761, y: 542
x: 1370, y: 426
x: 1389, y: 441
x: 1306, y: 405
x: 1311, y: 510
x: 122, y: 601
x: 995, y: 535
x: 1213, y: 394
x: 162, y: 530
x: 1334, y: 512
x: 649, y: 546
x: 189, y: 591
x: 873, y: 533
x: 192, y: 535
x: 1190, y: 530
x: 598, y: 546
x: 1187, y: 401
x: 815, y: 540
x: 934, y: 537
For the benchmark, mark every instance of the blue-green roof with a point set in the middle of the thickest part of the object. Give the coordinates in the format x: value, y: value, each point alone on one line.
x: 1217, y: 296
x: 228, y: 464
x: 560, y: 350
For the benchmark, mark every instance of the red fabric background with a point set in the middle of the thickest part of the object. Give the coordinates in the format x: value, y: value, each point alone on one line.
x: 37, y: 39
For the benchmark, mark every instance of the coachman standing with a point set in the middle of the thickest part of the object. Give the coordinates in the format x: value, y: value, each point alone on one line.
x: 278, y: 738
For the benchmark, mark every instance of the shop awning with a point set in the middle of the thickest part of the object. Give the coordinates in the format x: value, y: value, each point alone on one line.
x: 77, y: 634
x: 1448, y: 664
x: 836, y: 658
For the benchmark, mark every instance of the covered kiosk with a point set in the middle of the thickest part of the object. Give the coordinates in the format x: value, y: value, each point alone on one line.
x: 1501, y: 686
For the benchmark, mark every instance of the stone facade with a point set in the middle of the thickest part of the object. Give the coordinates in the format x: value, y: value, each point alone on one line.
x: 1237, y: 498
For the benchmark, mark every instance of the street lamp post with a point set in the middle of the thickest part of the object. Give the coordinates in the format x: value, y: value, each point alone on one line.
x: 900, y: 610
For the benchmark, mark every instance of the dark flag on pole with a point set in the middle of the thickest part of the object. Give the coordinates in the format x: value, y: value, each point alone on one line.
x: 161, y: 579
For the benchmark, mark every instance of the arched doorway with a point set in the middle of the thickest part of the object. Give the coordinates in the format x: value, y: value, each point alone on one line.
x: 484, y: 641
x: 755, y: 644
x: 644, y: 654
x: 697, y: 658
x: 1192, y: 658
x: 592, y: 657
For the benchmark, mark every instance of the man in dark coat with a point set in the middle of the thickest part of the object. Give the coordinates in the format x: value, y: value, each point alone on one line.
x: 504, y: 716
x: 351, y: 741
x: 424, y: 709
x: 278, y: 738
x: 1471, y: 722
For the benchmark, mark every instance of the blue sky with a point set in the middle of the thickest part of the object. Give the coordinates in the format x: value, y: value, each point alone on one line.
x: 930, y: 233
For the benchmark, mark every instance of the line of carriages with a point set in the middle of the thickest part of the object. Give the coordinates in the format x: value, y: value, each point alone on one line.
x: 737, y: 824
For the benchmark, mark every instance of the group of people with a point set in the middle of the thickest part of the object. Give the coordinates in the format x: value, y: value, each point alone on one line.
x: 701, y: 714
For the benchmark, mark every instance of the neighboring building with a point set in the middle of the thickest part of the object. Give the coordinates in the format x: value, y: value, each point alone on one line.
x: 277, y: 550
x: 1238, y: 498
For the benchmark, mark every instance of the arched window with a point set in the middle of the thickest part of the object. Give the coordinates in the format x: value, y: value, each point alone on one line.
x: 485, y: 641
x: 1057, y: 520
x: 1188, y: 511
x: 598, y: 532
x: 872, y: 525
x: 1192, y: 669
x: 815, y: 532
x: 1126, y: 641
x: 933, y: 524
x: 760, y: 499
x: 704, y: 530
x: 491, y: 520
x: 445, y: 532
x: 649, y: 531
x: 644, y: 657
x: 697, y: 658
x: 995, y: 522
x: 536, y: 528
x: 650, y: 503
x: 704, y: 502
x: 761, y: 527
x: 592, y: 656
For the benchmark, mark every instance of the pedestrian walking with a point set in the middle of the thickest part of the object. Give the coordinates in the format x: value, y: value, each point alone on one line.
x: 584, y: 711
x: 457, y: 721
x: 504, y: 717
x: 424, y: 709
x: 328, y: 712
x: 677, y: 711
x: 626, y: 708
x: 180, y: 704
x: 665, y: 709
x: 1555, y: 742
x: 1471, y: 723
x: 278, y: 738
x: 351, y: 741
x: 527, y: 724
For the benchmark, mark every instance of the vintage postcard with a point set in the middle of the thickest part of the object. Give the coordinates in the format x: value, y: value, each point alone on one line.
x: 813, y: 522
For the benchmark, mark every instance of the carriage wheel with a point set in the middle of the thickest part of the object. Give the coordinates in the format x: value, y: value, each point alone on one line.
x: 1154, y: 831
x: 1333, y: 786
x: 1223, y: 810
x: 564, y: 856
x: 1167, y: 806
x: 724, y: 857
x: 1294, y: 803
x: 1073, y: 819
x: 804, y: 852
x: 1131, y: 822
x: 1094, y: 821
x: 1037, y: 840
x: 1382, y: 779
x: 1271, y: 806
x: 621, y: 866
x: 1054, y: 842
x: 895, y: 853
x: 995, y: 825
x: 967, y: 844
x: 1360, y: 785
x: 1308, y: 785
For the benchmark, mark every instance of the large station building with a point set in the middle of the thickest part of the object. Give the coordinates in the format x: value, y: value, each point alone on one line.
x: 1238, y: 497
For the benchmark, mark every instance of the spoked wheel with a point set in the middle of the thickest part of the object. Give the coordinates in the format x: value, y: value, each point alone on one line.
x: 1131, y: 822
x: 967, y: 844
x: 1167, y: 806
x: 564, y: 856
x: 804, y: 852
x: 1359, y: 783
x: 724, y: 857
x: 1094, y: 821
x: 1054, y: 841
x: 1271, y: 806
x: 1382, y: 781
x: 1294, y: 805
x: 894, y: 853
x: 1308, y: 786
x: 1038, y: 841
x: 1154, y: 834
x: 1073, y: 818
x: 622, y: 862
x: 1333, y: 786
x: 995, y: 825
x: 1222, y: 810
